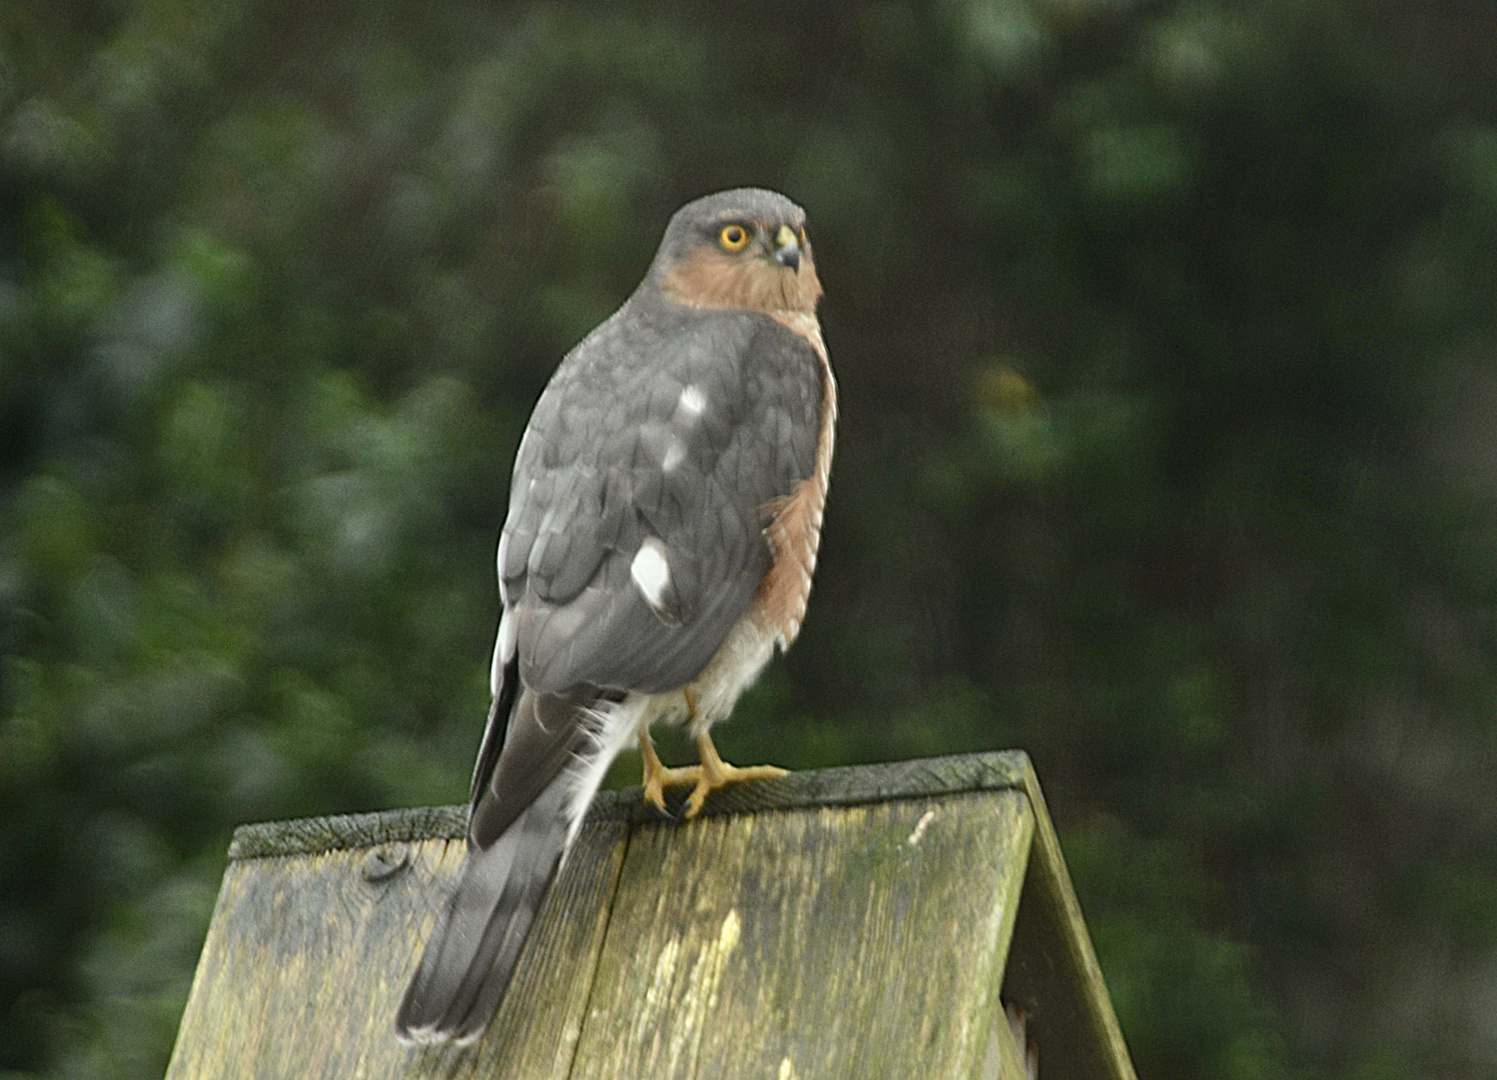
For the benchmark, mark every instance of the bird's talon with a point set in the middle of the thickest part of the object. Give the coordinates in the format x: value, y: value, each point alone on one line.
x: 654, y: 794
x: 717, y: 773
x: 658, y: 776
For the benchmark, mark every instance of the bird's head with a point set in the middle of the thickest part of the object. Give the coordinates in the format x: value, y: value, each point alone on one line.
x: 745, y: 249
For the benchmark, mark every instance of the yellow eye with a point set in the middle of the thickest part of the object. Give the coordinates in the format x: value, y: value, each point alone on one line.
x: 804, y: 239
x: 733, y: 238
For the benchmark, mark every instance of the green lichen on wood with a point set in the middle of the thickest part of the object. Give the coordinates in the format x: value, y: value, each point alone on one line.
x: 848, y: 786
x: 848, y: 922
x: 827, y: 942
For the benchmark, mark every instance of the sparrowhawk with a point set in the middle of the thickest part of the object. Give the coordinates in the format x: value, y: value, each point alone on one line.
x: 664, y: 519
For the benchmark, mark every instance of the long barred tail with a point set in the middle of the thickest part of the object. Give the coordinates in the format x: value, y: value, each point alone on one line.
x: 472, y: 955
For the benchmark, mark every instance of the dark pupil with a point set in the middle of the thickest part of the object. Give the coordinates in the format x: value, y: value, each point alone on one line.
x: 734, y: 236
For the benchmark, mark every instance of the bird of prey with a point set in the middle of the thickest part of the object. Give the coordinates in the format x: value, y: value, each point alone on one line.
x: 664, y: 519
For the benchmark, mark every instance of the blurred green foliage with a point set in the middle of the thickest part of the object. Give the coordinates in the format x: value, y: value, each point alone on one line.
x: 1164, y: 333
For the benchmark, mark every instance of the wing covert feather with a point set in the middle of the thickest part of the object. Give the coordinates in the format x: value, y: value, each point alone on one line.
x: 668, y: 422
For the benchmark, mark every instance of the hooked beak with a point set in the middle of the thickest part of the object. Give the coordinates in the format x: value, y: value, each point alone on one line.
x: 787, y: 248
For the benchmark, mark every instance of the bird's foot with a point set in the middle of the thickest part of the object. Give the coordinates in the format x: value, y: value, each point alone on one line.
x: 665, y: 777
x: 658, y: 776
x: 716, y: 773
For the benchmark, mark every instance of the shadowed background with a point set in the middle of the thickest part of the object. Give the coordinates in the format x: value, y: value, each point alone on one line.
x: 1165, y: 338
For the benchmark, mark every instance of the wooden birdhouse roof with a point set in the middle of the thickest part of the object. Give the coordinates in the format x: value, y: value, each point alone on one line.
x: 904, y: 920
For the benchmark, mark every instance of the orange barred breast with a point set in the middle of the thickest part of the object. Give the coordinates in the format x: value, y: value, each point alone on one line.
x: 794, y: 529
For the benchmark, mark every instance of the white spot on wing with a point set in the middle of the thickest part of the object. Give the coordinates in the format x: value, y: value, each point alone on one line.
x: 507, y: 636
x: 693, y: 401
x: 675, y: 453
x: 651, y: 572
x: 504, y: 651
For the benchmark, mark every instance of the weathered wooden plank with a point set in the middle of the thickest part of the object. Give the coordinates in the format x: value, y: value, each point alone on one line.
x: 850, y: 785
x: 866, y: 941
x: 1053, y: 973
x: 308, y: 954
x: 853, y: 785
x: 847, y: 922
x: 313, y: 836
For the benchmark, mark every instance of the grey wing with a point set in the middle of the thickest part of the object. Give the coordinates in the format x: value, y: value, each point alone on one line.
x: 671, y: 439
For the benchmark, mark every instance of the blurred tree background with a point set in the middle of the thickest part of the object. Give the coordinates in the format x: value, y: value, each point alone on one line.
x: 1165, y: 336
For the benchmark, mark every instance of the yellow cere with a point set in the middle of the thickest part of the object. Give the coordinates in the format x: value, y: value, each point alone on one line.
x: 785, y: 237
x: 733, y: 238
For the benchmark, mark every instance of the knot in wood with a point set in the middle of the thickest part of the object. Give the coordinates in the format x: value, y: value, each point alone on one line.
x: 384, y: 862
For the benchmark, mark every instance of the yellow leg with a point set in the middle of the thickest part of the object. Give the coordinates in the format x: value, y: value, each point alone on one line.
x: 658, y: 776
x: 716, y: 773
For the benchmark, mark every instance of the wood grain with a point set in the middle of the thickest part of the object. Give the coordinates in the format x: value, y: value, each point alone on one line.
x: 307, y: 957
x: 848, y: 922
x: 1053, y: 974
x: 861, y: 942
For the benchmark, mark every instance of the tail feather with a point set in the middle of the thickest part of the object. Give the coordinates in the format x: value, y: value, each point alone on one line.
x: 471, y: 957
